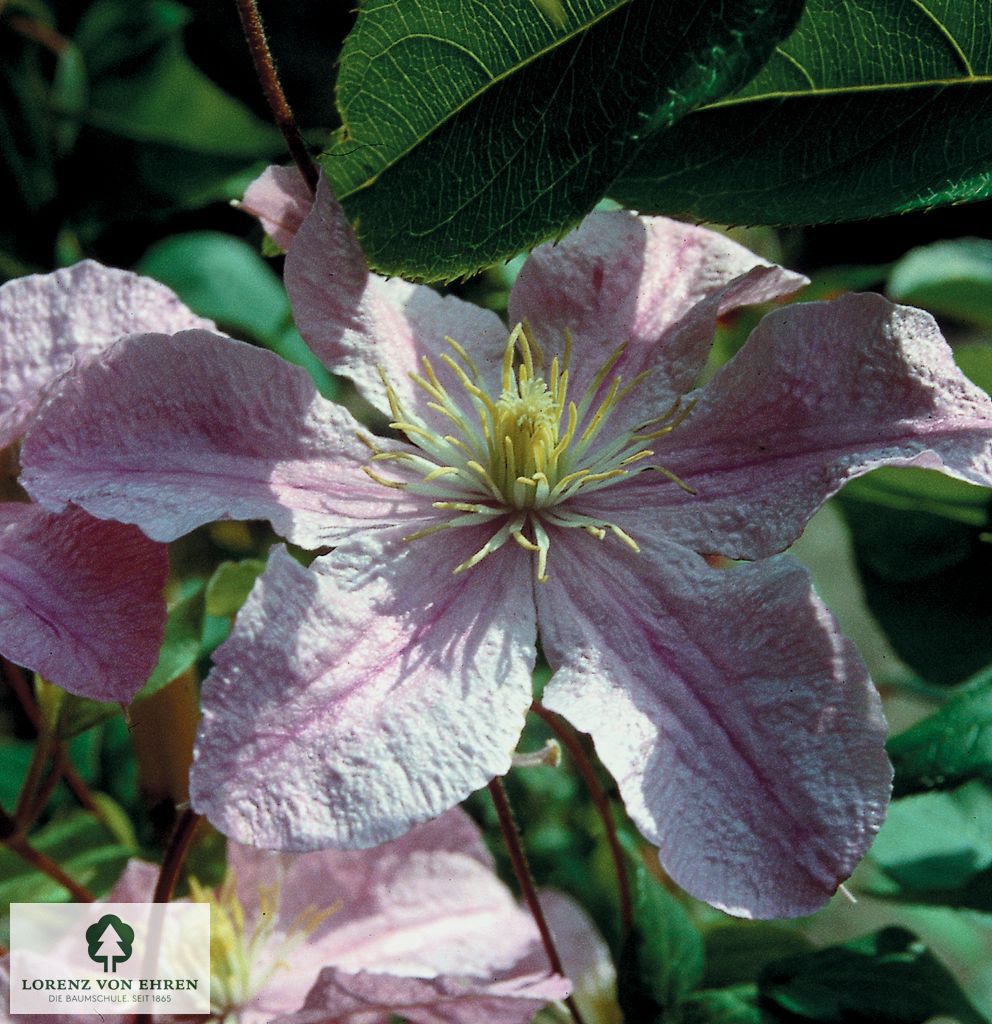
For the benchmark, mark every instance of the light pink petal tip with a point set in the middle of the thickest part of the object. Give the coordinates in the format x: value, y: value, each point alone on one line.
x: 48, y: 319
x: 358, y: 322
x: 821, y: 393
x: 81, y: 600
x: 742, y: 729
x: 368, y: 998
x: 280, y: 199
x: 418, y: 701
x: 170, y: 432
x: 654, y: 283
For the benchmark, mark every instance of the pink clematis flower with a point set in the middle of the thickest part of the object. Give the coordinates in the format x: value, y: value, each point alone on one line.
x: 420, y: 927
x: 559, y: 476
x: 80, y: 599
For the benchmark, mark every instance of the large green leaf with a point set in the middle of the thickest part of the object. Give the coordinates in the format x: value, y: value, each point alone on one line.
x: 473, y: 130
x: 871, y: 107
x: 951, y: 746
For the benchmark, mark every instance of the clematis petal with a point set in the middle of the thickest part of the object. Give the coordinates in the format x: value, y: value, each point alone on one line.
x: 357, y: 321
x: 742, y: 729
x: 80, y: 600
x: 171, y: 432
x: 280, y: 199
x: 365, y: 694
x: 48, y: 319
x: 424, y: 904
x: 655, y: 283
x: 821, y: 393
x: 367, y: 998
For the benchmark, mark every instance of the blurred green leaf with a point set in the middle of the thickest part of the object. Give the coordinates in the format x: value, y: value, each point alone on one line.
x: 866, y: 109
x: 737, y: 952
x: 144, y: 87
x: 938, y: 841
x: 737, y: 1005
x: 225, y: 279
x: 918, y: 541
x: 952, y: 746
x: 181, y: 648
x: 81, y: 845
x: 662, y: 958
x: 469, y: 134
x: 230, y: 585
x: 976, y: 362
x: 951, y: 278
x: 886, y: 978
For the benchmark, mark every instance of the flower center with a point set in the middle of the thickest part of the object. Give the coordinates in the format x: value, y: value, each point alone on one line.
x: 242, y: 959
x: 516, y: 461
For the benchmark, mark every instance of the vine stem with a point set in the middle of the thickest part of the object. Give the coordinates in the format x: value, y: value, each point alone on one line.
x: 569, y: 739
x: 514, y: 846
x: 268, y: 78
x: 175, y: 855
x: 16, y: 680
x: 19, y: 845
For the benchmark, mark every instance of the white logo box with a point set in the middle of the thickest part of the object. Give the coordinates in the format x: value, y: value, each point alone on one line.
x: 109, y: 958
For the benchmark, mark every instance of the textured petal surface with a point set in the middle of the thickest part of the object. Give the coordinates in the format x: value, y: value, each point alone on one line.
x: 280, y: 199
x: 80, y: 600
x: 623, y: 278
x: 422, y: 905
x: 821, y: 393
x: 47, y: 319
x: 170, y: 432
x: 357, y: 322
x: 742, y: 729
x: 365, y: 694
x: 366, y: 998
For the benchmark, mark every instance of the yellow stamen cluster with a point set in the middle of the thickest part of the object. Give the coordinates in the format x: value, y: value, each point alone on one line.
x: 242, y: 961
x: 516, y: 460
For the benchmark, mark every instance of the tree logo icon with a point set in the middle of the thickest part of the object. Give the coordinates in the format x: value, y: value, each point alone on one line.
x: 109, y: 942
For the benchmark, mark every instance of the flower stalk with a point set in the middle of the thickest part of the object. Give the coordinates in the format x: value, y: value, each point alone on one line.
x: 268, y: 78
x: 514, y: 847
x: 570, y: 741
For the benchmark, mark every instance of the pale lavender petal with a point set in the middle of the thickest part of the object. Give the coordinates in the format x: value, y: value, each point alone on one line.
x: 280, y: 199
x: 654, y: 283
x: 171, y: 432
x: 357, y: 321
x: 821, y: 393
x: 417, y: 905
x: 368, y: 693
x: 425, y: 904
x: 136, y: 883
x: 81, y: 600
x: 367, y: 998
x: 742, y: 729
x: 48, y: 319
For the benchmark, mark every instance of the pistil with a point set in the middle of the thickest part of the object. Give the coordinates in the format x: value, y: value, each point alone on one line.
x: 515, y: 460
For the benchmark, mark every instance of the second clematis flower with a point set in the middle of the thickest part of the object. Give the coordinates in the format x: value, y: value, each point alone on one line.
x: 558, y: 476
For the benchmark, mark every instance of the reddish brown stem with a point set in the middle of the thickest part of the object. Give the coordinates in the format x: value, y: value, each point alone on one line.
x: 32, y: 782
x: 268, y: 78
x: 45, y: 791
x: 570, y: 741
x: 175, y: 855
x: 515, y: 848
x: 19, y: 845
x: 17, y: 681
